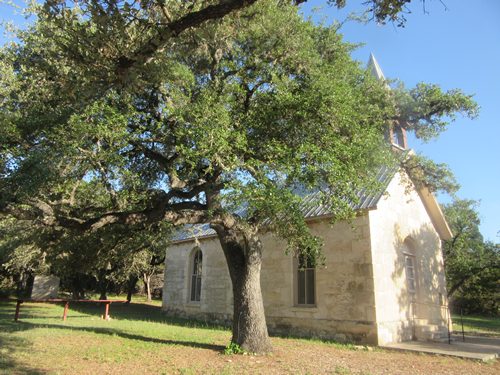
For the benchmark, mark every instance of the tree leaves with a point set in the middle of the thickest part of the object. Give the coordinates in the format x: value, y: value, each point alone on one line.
x: 472, y: 264
x: 427, y: 110
x: 230, y: 116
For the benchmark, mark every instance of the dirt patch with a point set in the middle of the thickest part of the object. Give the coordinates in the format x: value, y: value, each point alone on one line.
x: 289, y: 357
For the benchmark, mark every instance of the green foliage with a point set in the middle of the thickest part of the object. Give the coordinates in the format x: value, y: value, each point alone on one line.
x: 20, y: 257
x: 233, y: 348
x: 114, y: 127
x: 434, y: 176
x: 472, y: 265
x: 247, y: 108
x: 427, y: 110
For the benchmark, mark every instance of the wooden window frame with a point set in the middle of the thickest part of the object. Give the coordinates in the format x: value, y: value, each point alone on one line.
x: 412, y: 278
x: 307, y: 270
x: 195, y: 276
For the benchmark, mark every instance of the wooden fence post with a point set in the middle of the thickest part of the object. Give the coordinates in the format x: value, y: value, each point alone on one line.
x: 66, y: 308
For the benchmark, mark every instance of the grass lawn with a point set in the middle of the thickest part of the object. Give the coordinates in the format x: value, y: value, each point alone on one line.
x: 141, y: 340
x: 481, y: 325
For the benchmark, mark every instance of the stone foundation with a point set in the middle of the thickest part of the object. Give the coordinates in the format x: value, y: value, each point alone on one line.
x: 356, y: 332
x: 336, y: 330
x: 212, y: 318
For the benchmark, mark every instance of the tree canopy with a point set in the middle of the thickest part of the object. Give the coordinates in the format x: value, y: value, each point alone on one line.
x: 255, y: 103
x: 149, y: 27
x: 221, y: 125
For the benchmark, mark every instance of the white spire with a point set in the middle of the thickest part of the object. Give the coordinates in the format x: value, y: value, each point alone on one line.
x: 375, y: 68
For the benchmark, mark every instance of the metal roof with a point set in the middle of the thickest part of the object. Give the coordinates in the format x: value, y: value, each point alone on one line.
x: 311, y: 206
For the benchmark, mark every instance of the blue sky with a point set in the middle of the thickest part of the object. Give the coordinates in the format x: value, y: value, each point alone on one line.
x: 455, y: 47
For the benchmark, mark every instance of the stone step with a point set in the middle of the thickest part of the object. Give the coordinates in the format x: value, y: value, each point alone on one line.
x: 432, y: 332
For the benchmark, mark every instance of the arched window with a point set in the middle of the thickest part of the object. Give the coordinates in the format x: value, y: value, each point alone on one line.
x: 410, y: 273
x: 196, y: 275
x: 398, y: 136
x: 410, y: 266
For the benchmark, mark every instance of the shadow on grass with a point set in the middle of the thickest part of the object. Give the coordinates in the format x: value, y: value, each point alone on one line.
x: 118, y: 311
x: 128, y: 336
x: 147, y: 313
x: 10, y: 344
x: 150, y: 313
x: 142, y: 312
x: 8, y: 365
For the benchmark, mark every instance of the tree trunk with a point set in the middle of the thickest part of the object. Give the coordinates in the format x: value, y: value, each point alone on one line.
x: 243, y: 254
x: 103, y: 285
x: 77, y: 288
x: 147, y: 285
x: 132, y: 281
x: 19, y: 280
x: 24, y: 284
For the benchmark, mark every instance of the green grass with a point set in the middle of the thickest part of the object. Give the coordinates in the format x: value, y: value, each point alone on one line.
x: 138, y: 336
x: 135, y: 331
x: 140, y: 339
x: 475, y: 324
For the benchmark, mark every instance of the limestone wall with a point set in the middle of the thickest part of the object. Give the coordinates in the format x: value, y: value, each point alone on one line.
x: 400, y: 225
x: 216, y: 296
x: 344, y: 287
x: 345, y: 305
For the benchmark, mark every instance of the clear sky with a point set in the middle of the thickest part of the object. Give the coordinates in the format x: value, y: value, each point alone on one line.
x: 457, y: 46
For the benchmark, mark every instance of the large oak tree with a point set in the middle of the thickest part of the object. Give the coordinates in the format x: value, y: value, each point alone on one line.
x: 220, y: 124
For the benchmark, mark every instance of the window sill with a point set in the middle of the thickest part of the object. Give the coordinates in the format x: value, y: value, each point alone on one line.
x: 194, y: 304
x: 305, y: 308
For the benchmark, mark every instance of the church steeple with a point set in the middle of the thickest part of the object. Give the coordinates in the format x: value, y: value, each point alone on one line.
x: 396, y: 134
x: 374, y: 68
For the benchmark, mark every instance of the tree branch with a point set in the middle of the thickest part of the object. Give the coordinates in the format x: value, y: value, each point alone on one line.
x: 190, y: 212
x: 145, y: 53
x: 473, y: 273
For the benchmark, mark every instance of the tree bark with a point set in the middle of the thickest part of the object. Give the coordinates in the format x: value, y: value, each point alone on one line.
x: 131, y: 287
x: 103, y: 285
x: 147, y: 285
x: 243, y: 254
x: 77, y: 289
x: 19, y: 280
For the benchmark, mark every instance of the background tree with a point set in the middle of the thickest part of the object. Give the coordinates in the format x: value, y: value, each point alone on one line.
x: 145, y: 263
x: 221, y: 128
x: 472, y: 265
x: 20, y: 258
x: 106, y: 260
x: 86, y: 262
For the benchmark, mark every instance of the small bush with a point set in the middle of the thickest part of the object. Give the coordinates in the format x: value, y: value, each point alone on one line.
x: 233, y: 348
